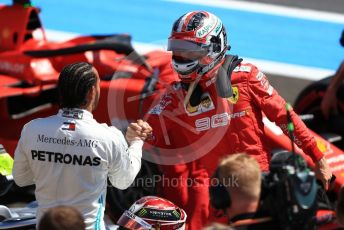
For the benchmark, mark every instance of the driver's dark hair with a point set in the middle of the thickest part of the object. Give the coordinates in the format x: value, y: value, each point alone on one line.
x: 74, y: 82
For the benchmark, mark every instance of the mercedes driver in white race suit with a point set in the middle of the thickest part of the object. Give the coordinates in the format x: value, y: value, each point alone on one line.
x: 69, y: 156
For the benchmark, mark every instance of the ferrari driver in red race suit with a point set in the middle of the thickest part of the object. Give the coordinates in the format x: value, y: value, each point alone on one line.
x: 202, y: 117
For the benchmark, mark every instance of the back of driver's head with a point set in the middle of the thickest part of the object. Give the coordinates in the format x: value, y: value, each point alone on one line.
x: 74, y: 82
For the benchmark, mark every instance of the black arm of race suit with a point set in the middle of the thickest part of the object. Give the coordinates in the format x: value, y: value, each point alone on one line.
x: 223, y: 80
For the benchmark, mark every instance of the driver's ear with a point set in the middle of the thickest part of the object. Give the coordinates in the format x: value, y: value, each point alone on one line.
x: 91, y: 94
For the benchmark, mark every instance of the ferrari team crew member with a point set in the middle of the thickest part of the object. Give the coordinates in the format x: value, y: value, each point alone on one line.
x: 69, y: 156
x: 202, y: 117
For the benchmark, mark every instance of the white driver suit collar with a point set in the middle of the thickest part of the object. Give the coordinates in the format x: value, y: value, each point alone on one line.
x: 75, y: 113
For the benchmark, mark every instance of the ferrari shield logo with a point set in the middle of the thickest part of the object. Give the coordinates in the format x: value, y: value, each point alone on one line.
x: 234, y: 99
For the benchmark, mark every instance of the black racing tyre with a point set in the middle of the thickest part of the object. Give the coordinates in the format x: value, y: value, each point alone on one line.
x: 120, y: 200
x: 309, y: 102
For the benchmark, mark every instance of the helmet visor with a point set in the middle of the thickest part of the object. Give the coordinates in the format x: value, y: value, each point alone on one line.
x: 186, y: 46
x: 131, y: 221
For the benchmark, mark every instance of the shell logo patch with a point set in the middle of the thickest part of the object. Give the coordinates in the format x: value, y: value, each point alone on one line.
x: 234, y: 99
x: 205, y: 105
x: 191, y: 109
x: 324, y: 147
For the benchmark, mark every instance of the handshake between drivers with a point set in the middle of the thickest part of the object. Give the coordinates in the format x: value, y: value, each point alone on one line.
x: 138, y: 130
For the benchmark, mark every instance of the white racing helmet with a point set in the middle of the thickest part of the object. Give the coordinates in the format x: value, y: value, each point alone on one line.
x: 152, y: 212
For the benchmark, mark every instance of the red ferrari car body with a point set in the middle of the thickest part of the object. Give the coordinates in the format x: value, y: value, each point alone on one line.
x: 30, y: 65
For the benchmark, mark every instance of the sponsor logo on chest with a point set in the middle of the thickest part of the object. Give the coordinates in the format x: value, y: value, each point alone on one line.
x: 217, y: 120
x: 205, y: 105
